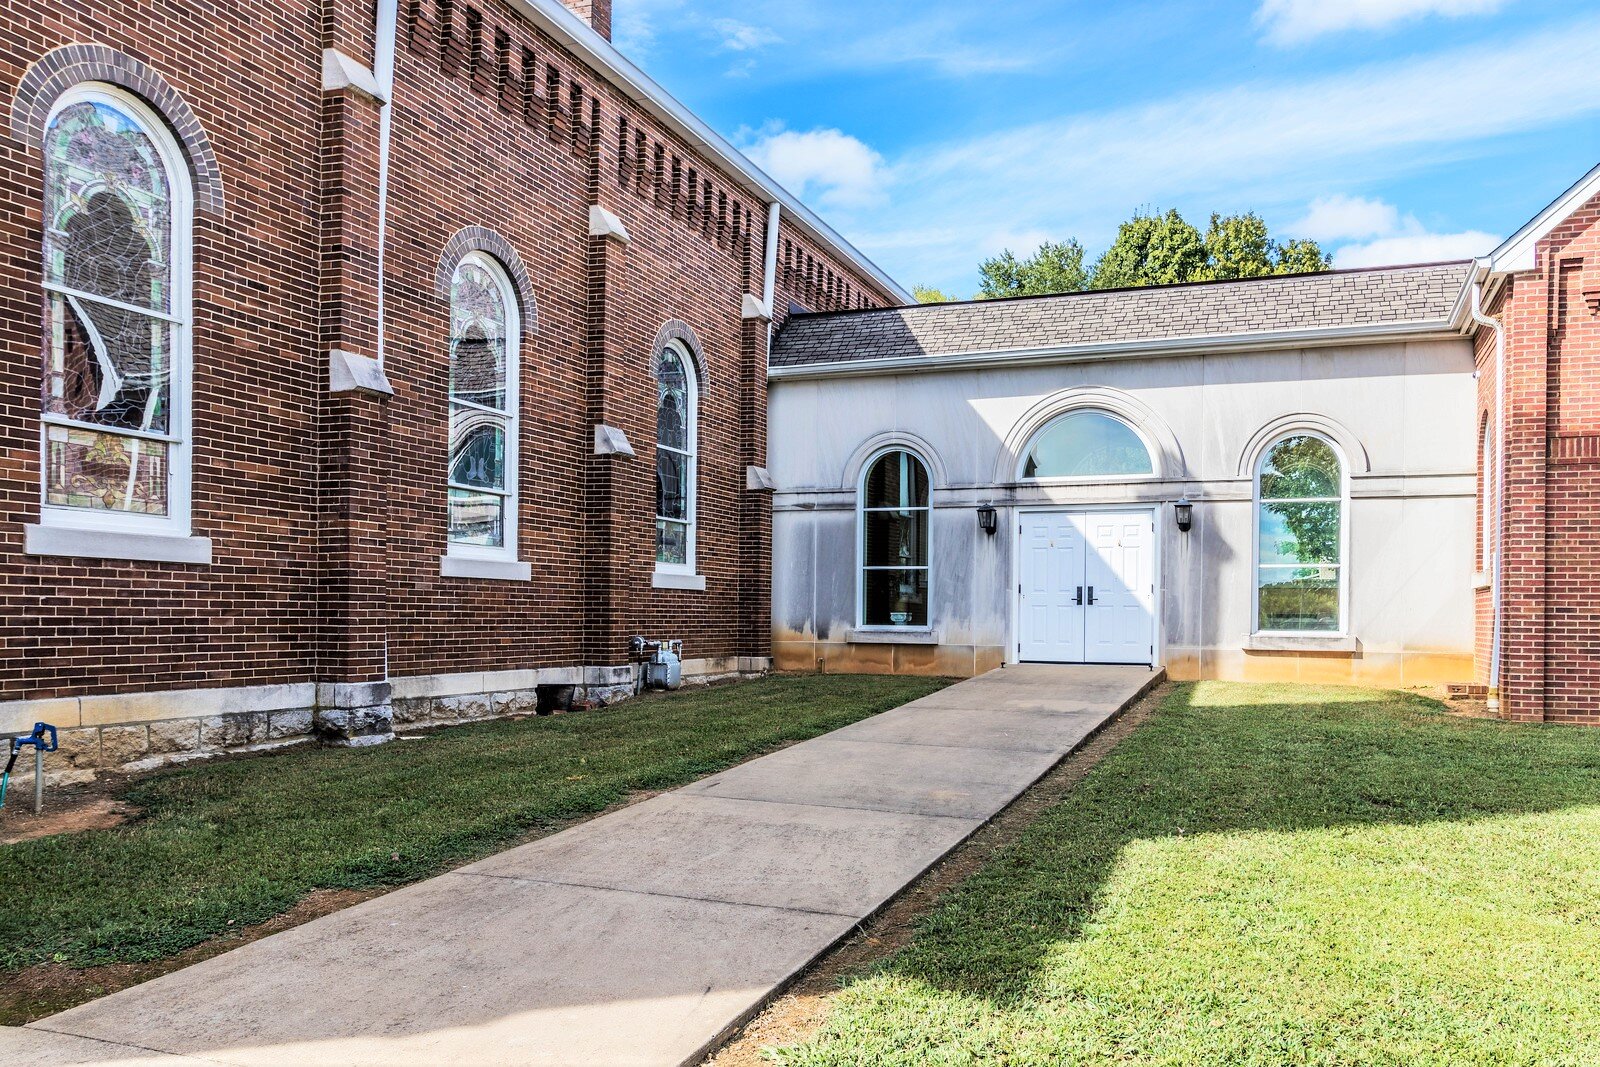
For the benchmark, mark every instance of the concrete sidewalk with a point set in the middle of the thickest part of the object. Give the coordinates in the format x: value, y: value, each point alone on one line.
x: 642, y: 937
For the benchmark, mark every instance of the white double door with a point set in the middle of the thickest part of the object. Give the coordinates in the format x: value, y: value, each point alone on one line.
x: 1086, y: 587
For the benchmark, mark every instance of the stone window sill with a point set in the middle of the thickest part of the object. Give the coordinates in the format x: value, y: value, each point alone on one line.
x: 1343, y: 644
x: 695, y: 583
x: 487, y: 569
x: 39, y: 540
x: 897, y: 636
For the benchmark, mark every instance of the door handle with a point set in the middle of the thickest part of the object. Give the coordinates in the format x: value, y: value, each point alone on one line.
x: 1078, y: 599
x: 1091, y: 596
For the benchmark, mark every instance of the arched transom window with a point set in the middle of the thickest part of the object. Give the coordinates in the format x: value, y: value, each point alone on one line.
x: 1087, y: 444
x: 895, y: 567
x: 1300, y: 538
x: 677, y: 401
x: 483, y: 410
x: 116, y: 233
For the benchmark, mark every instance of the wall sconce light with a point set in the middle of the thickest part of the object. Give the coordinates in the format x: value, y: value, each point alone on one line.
x: 1183, y: 511
x: 988, y: 519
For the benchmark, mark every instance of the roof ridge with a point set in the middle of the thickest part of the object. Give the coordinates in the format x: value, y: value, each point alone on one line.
x: 1163, y: 287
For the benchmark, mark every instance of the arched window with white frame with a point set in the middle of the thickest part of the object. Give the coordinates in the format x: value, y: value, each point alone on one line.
x: 1086, y: 443
x: 895, y: 572
x: 484, y: 334
x: 677, y: 460
x: 1301, y: 575
x: 115, y: 393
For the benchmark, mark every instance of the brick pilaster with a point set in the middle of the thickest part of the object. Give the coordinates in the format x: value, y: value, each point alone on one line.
x: 353, y: 423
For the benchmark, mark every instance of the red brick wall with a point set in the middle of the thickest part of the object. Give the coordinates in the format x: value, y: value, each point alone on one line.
x: 328, y: 514
x: 1552, y: 553
x: 252, y: 74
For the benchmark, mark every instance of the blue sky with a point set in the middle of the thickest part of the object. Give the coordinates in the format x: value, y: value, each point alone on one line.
x: 936, y: 133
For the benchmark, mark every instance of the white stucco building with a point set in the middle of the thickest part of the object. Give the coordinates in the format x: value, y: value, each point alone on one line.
x: 1320, y: 426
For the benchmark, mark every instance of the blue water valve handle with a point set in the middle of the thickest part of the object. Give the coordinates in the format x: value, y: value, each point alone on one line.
x: 37, y: 738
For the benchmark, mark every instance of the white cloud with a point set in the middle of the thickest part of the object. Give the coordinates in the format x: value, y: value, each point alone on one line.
x: 1333, y: 218
x: 1415, y: 248
x: 826, y: 167
x: 1377, y: 234
x: 1264, y: 146
x: 739, y: 36
x: 633, y: 24
x: 1294, y: 21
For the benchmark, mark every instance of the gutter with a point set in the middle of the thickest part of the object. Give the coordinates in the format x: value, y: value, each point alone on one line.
x: 1496, y: 568
x: 553, y: 17
x: 1201, y: 344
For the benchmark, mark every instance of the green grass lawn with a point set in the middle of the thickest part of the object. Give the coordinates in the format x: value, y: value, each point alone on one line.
x: 242, y: 841
x: 1270, y: 875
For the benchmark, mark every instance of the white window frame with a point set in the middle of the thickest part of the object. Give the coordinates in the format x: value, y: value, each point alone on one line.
x: 1343, y: 629
x: 1077, y: 479
x: 692, y: 470
x: 861, y: 542
x: 178, y: 437
x: 510, y: 495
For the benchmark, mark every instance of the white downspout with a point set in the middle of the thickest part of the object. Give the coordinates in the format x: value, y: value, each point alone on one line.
x: 383, y: 56
x: 769, y: 289
x: 383, y: 72
x: 1496, y: 568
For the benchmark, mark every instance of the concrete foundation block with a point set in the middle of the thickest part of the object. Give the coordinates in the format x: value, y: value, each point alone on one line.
x: 284, y: 724
x: 412, y: 712
x: 463, y: 708
x: 123, y: 744
x: 220, y: 732
x: 171, y: 737
x: 518, y: 702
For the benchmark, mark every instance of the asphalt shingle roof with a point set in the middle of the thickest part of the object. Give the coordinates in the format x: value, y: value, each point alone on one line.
x: 1379, y: 296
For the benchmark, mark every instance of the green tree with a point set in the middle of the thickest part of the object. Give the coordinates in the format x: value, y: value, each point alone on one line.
x: 927, y: 294
x: 1239, y: 246
x: 1151, y: 250
x: 1057, y: 267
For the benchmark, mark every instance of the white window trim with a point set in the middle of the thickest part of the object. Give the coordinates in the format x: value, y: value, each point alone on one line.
x: 1309, y: 636
x: 862, y: 626
x: 689, y: 567
x: 504, y: 562
x: 1082, y: 479
x: 133, y: 536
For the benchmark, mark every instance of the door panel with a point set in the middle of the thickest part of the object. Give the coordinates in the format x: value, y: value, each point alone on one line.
x: 1063, y: 554
x: 1120, y: 624
x: 1050, y: 622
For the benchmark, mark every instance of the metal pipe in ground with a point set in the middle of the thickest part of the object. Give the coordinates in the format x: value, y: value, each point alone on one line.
x: 38, y: 781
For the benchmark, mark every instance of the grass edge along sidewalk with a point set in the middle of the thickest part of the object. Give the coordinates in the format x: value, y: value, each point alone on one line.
x: 227, y: 844
x: 1269, y: 875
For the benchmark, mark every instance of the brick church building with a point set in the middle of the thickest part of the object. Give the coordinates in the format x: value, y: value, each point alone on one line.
x: 394, y: 362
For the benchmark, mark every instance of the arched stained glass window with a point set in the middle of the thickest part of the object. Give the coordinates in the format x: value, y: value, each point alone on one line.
x: 895, y: 569
x: 115, y: 324
x: 676, y: 400
x: 483, y: 410
x: 1087, y: 444
x: 1300, y: 537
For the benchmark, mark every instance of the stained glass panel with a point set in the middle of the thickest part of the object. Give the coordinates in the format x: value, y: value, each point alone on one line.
x: 672, y: 409
x: 108, y: 207
x: 105, y: 472
x: 477, y: 450
x: 672, y: 542
x: 478, y: 321
x: 109, y: 342
x: 477, y: 518
x: 672, y: 485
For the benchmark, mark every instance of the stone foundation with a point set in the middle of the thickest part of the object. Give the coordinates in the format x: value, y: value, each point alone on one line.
x: 129, y: 733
